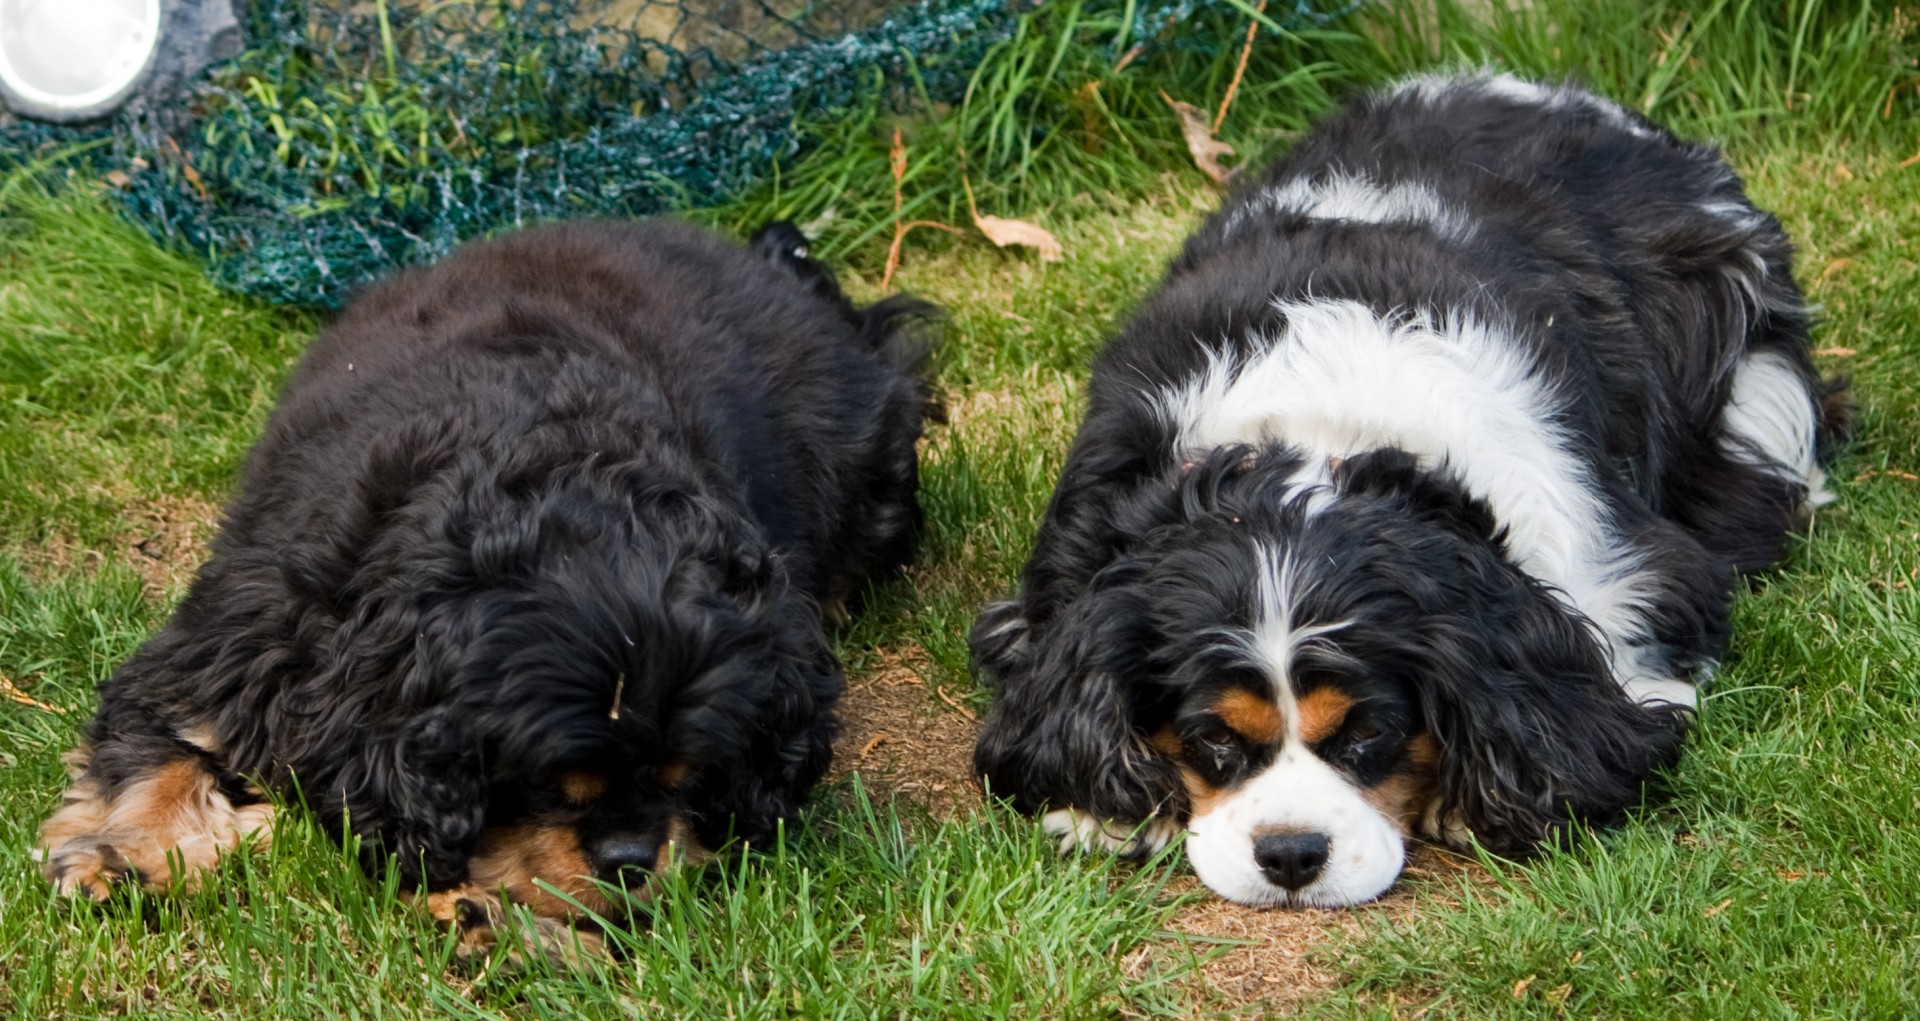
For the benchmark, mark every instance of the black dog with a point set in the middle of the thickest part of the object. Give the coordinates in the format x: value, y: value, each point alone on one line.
x: 525, y: 579
x: 1412, y: 502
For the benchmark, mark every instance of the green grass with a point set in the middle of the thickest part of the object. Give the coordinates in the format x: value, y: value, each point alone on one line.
x: 1774, y: 875
x: 124, y: 374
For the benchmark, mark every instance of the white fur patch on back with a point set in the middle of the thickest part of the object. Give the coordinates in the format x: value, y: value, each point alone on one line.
x: 1343, y: 380
x: 1769, y: 422
x: 1556, y: 96
x: 1353, y: 198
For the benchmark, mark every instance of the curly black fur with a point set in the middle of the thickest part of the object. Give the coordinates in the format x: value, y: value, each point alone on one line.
x: 569, y: 500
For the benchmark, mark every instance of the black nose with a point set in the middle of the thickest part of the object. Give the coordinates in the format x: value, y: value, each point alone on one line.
x: 628, y: 856
x: 1291, y: 859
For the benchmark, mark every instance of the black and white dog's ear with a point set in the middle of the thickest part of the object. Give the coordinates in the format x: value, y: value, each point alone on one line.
x: 999, y: 639
x: 1070, y: 728
x: 1534, y: 731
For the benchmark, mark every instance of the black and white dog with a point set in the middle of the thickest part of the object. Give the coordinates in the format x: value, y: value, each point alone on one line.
x: 525, y: 578
x: 1412, y: 502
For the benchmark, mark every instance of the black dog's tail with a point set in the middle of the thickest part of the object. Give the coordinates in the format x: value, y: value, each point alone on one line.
x: 781, y: 243
x: 896, y: 328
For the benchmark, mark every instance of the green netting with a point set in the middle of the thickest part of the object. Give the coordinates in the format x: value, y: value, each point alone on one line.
x: 355, y: 137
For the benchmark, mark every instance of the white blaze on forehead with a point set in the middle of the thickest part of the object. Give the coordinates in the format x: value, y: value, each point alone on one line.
x: 1277, y: 632
x: 1461, y: 395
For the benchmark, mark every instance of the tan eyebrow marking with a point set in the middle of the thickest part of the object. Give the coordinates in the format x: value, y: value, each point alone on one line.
x: 1251, y: 716
x: 674, y: 773
x: 583, y: 788
x: 1322, y: 711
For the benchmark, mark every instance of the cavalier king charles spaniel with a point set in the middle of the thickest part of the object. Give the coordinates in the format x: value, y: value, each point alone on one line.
x: 1413, y: 501
x: 523, y: 584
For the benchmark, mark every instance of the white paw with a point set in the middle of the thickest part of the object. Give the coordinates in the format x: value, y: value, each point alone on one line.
x: 1079, y: 831
x: 1449, y: 829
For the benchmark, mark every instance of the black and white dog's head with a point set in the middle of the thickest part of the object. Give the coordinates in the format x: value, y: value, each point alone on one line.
x: 1280, y: 667
x: 1410, y: 503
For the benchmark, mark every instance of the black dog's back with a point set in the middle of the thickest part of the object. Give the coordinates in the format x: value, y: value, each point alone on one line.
x: 643, y: 328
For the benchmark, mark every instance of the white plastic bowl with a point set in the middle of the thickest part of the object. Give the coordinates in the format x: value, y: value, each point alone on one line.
x: 73, y: 60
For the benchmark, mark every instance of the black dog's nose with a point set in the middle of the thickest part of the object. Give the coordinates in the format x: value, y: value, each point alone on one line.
x: 1291, y: 859
x: 618, y: 855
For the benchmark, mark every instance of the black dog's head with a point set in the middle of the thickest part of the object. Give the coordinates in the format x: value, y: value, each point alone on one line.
x: 619, y: 674
x: 1307, y: 667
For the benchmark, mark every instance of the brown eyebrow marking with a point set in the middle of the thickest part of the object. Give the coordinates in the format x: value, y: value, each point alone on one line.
x: 1252, y: 717
x: 1322, y: 711
x: 674, y: 773
x: 583, y: 788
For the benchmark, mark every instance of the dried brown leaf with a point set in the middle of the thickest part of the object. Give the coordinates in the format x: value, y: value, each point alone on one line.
x: 1004, y: 232
x: 1205, y: 149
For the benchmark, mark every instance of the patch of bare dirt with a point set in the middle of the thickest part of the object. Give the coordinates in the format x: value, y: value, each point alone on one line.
x: 166, y: 541
x: 1282, y: 963
x: 906, y: 737
x: 163, y: 540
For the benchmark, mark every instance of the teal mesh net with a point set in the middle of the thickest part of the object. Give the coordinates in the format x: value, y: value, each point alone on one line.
x: 351, y: 138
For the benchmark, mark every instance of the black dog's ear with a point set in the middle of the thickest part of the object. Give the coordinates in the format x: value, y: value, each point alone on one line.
x: 420, y: 794
x: 780, y: 242
x: 1070, y: 729
x: 893, y: 327
x: 756, y: 730
x: 1534, y: 731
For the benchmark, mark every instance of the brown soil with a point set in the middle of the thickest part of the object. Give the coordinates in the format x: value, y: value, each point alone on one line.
x: 163, y: 540
x: 904, y: 739
x: 1280, y: 963
x: 166, y: 541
